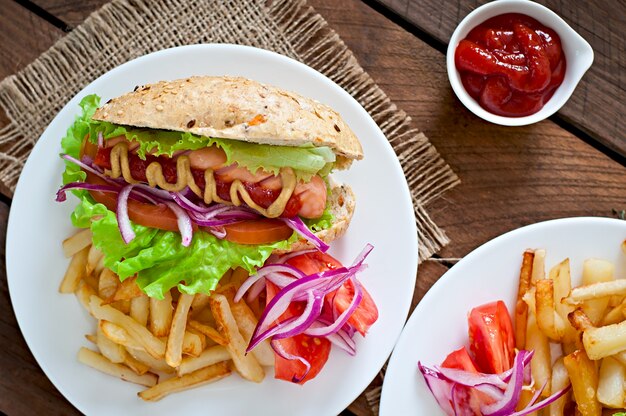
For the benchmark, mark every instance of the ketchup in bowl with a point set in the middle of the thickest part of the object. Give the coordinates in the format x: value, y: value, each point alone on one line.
x: 511, y: 64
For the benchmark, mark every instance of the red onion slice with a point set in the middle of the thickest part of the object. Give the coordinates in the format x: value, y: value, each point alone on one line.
x: 512, y: 393
x: 285, y: 257
x: 439, y: 387
x: 184, y: 223
x: 61, y: 195
x: 300, y: 227
x: 468, y: 379
x: 100, y: 140
x: 87, y: 168
x: 343, y: 318
x: 256, y: 289
x: 278, y: 349
x: 123, y: 222
x: 545, y: 402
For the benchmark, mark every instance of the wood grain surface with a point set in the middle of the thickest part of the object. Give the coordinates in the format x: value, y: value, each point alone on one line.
x: 598, y: 105
x: 510, y: 176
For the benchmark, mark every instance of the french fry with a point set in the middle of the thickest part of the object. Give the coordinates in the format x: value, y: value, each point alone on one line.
x: 174, y: 351
x: 122, y: 306
x: 209, y: 331
x: 200, y: 336
x: 539, y: 266
x: 612, y: 383
x: 161, y: 312
x: 596, y: 291
x: 548, y: 321
x: 604, y: 341
x: 126, y: 290
x: 140, y: 309
x: 195, y: 379
x: 92, y: 280
x: 200, y: 301
x: 584, y: 378
x: 208, y: 357
x: 559, y: 381
x: 77, y: 242
x: 119, y: 335
x: 100, y: 363
x: 148, y: 360
x: 91, y: 338
x: 192, y: 344
x: 93, y: 258
x: 108, y: 283
x: 541, y: 364
x: 153, y: 345
x: 75, y: 272
x: 134, y: 364
x: 595, y: 271
x: 204, y: 316
x: 112, y: 351
x: 83, y: 294
x: 621, y: 357
x: 521, y: 308
x: 614, y: 315
x: 579, y: 320
x: 246, y: 365
x: 562, y: 286
x: 246, y: 321
x: 239, y: 276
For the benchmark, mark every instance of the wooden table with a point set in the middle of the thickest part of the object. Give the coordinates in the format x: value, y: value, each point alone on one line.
x: 570, y: 165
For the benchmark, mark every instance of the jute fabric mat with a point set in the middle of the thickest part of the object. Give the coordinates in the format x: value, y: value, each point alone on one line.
x: 125, y: 29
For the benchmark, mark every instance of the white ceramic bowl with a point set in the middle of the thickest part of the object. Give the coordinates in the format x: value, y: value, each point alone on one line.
x: 578, y: 57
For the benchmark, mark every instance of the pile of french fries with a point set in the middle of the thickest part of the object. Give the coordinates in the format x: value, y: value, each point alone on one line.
x: 578, y: 334
x: 169, y: 345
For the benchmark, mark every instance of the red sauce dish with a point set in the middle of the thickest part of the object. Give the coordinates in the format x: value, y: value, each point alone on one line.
x: 511, y: 64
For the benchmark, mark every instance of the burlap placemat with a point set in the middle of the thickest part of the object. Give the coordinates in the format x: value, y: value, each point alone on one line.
x: 125, y: 29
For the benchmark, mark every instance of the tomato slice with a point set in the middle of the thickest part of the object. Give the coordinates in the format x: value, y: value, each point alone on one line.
x: 313, y: 349
x: 364, y: 315
x: 460, y: 360
x: 149, y: 215
x: 491, y: 337
x: 261, y: 231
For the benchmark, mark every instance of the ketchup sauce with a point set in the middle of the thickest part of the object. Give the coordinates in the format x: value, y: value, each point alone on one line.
x: 511, y: 64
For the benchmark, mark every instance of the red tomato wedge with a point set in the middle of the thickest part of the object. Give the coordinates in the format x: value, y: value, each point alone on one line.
x: 491, y: 337
x: 364, y: 315
x: 460, y: 360
x: 313, y: 349
x: 257, y: 231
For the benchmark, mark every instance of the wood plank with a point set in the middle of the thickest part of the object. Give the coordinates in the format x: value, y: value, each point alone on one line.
x: 597, y: 106
x: 24, y: 36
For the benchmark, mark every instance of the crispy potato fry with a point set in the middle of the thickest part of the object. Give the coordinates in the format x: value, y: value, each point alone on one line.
x: 560, y: 380
x: 153, y: 345
x: 75, y: 272
x: 239, y: 276
x: 541, y: 364
x: 521, y: 308
x: 548, y: 320
x: 584, y: 378
x: 126, y: 290
x: 91, y: 338
x: 99, y: 267
x: 146, y: 359
x: 100, y: 363
x: 200, y: 301
x: 209, y: 331
x: 614, y: 315
x: 595, y: 271
x: 596, y: 291
x: 204, y: 316
x: 195, y: 379
x: 93, y: 258
x: 208, y: 357
x: 140, y: 309
x: 108, y: 283
x: 122, y: 306
x: 91, y: 280
x: 539, y: 266
x: 246, y: 321
x: 200, y: 335
x: 579, y: 320
x: 612, y: 383
x: 83, y: 294
x: 246, y: 365
x: 621, y: 357
x: 174, y: 351
x: 112, y: 351
x: 77, y: 242
x: 192, y: 344
x: 604, y: 341
x: 161, y: 313
x: 119, y: 335
x: 137, y: 366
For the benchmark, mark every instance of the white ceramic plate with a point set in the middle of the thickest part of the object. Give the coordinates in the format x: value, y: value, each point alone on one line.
x: 439, y: 323
x: 54, y: 325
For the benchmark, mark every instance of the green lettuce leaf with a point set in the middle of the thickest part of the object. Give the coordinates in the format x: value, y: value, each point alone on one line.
x: 74, y: 137
x: 160, y: 260
x: 305, y: 160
